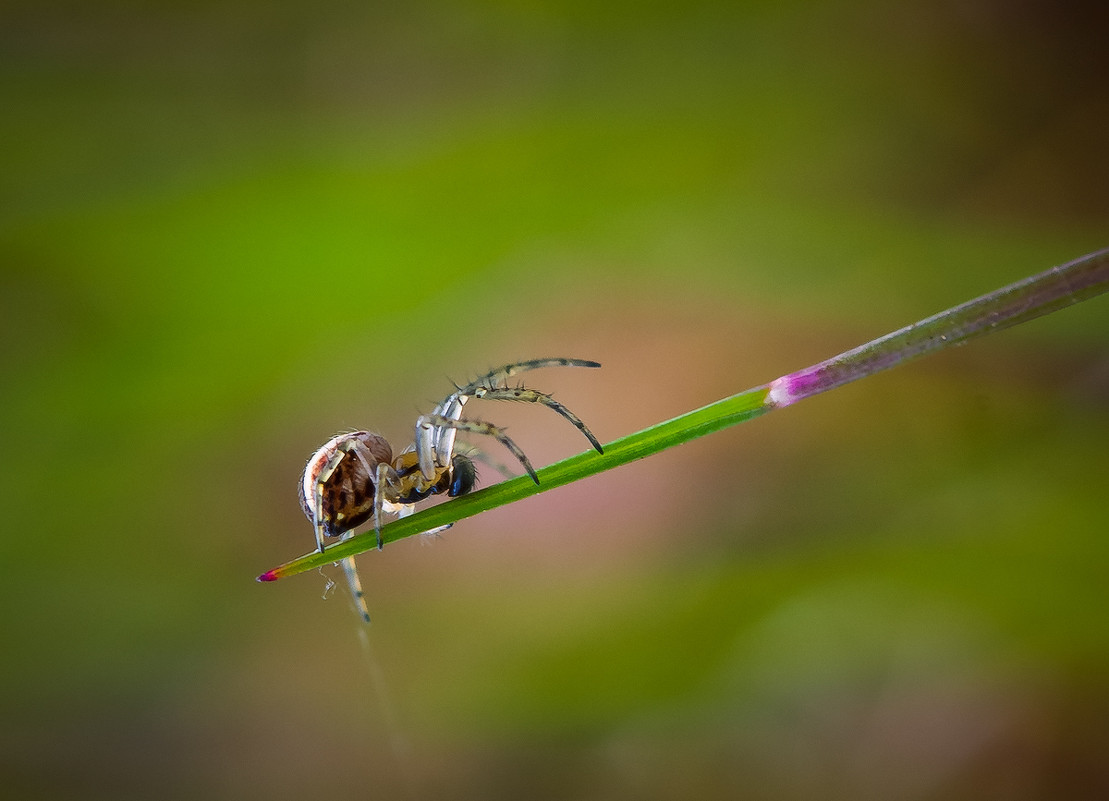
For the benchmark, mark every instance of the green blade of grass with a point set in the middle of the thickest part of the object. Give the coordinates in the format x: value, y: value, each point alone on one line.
x: 1025, y: 300
x: 713, y: 417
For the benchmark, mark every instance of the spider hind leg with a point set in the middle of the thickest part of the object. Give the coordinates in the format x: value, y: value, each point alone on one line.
x: 355, y: 584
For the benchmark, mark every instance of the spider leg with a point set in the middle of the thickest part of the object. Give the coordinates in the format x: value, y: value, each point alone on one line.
x: 355, y: 584
x: 350, y: 568
x: 502, y: 374
x: 444, y: 439
x: 427, y: 423
x: 451, y: 406
x: 524, y: 395
x: 317, y: 517
x: 317, y: 495
x: 380, y: 471
x: 433, y: 532
x: 426, y: 441
x: 493, y: 386
x: 384, y: 474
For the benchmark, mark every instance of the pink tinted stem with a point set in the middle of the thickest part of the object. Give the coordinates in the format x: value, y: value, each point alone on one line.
x: 1017, y: 303
x: 1025, y: 300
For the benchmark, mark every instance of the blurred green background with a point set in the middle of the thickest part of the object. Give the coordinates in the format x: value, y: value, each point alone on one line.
x: 229, y: 230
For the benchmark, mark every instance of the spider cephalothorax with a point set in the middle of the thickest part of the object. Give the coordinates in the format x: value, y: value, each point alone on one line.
x: 354, y: 478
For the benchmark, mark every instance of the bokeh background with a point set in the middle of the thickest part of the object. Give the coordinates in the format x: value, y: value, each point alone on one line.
x: 229, y: 230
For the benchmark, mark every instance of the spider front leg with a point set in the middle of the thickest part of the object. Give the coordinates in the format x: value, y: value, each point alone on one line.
x: 502, y: 374
x: 429, y: 455
x: 493, y: 386
x: 524, y: 395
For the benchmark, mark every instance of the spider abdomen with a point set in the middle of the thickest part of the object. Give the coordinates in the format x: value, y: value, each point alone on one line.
x: 342, y: 472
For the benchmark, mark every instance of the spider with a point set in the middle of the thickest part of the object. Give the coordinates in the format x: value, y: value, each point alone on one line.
x: 354, y: 478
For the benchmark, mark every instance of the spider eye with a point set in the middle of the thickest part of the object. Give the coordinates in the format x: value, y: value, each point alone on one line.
x: 464, y: 475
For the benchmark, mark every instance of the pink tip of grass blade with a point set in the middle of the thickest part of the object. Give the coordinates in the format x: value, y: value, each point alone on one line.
x: 270, y: 575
